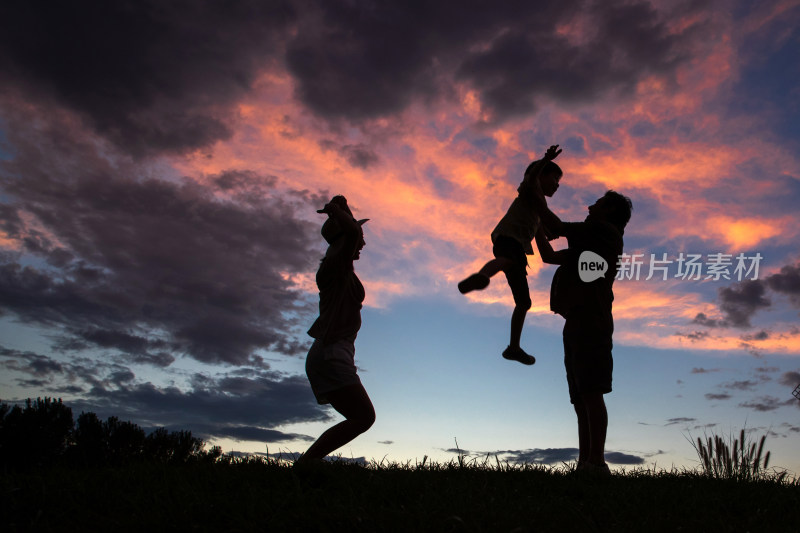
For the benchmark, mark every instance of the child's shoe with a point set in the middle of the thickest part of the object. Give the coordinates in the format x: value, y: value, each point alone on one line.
x: 475, y: 282
x: 518, y: 354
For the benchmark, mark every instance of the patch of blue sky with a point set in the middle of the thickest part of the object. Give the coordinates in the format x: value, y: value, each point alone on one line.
x: 6, y: 153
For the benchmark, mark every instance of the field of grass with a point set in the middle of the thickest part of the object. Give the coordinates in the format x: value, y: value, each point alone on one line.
x: 268, y: 495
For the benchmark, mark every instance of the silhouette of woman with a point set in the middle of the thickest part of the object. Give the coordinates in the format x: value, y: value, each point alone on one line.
x: 330, y: 364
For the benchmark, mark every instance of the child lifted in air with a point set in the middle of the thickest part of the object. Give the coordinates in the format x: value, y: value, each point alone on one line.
x: 511, y: 240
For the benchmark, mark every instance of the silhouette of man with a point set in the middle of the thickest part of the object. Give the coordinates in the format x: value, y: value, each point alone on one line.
x: 586, y: 306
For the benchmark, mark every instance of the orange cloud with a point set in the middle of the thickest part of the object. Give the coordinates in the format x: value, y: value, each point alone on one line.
x: 746, y: 233
x: 786, y: 343
x: 434, y: 198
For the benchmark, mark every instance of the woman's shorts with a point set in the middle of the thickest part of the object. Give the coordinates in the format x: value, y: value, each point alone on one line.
x: 587, y: 352
x: 331, y: 367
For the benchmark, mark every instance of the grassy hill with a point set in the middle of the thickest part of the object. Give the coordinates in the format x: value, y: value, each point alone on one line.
x: 268, y: 495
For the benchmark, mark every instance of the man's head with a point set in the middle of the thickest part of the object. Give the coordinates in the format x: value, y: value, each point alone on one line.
x: 614, y: 208
x: 549, y: 177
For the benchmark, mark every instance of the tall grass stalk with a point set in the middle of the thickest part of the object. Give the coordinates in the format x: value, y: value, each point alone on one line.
x: 740, y: 460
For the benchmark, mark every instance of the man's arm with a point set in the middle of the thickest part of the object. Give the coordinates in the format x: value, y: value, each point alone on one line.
x: 546, y: 249
x: 550, y: 220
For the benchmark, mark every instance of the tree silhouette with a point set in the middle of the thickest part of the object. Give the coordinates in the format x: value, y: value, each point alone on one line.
x: 43, y: 433
x: 38, y: 434
x: 89, y: 440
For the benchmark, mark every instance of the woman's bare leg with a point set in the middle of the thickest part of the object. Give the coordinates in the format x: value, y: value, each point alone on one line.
x: 354, y: 404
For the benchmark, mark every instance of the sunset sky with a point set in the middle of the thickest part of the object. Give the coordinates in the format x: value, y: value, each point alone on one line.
x: 161, y: 164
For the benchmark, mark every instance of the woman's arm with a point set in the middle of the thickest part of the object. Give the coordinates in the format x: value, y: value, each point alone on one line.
x: 546, y: 249
x: 339, y: 257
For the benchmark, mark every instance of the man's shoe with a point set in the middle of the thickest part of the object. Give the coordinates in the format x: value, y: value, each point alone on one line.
x: 475, y: 282
x: 594, y: 470
x: 518, y: 354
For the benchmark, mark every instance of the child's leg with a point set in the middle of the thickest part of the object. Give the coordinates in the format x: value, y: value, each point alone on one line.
x: 496, y: 265
x: 518, y: 282
x: 517, y: 322
x: 480, y: 280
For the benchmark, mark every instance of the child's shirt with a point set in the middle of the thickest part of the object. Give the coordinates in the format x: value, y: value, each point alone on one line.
x: 521, y: 221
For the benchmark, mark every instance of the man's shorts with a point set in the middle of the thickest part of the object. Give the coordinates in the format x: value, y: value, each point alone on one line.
x: 331, y: 367
x: 587, y: 351
x: 509, y: 248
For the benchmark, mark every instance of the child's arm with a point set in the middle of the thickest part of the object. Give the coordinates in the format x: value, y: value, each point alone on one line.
x: 531, y: 189
x: 546, y: 249
x: 532, y: 176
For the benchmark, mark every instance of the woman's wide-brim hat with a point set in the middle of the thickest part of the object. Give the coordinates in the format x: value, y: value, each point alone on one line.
x: 331, y: 230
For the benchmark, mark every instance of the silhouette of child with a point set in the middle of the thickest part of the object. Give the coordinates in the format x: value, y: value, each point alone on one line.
x: 589, y: 325
x: 511, y: 242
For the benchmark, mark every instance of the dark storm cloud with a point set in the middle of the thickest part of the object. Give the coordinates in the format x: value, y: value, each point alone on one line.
x: 741, y: 301
x: 361, y: 60
x: 619, y: 458
x: 790, y: 379
x: 151, y: 76
x: 760, y: 336
x: 543, y: 456
x: 766, y: 403
x: 223, y: 407
x: 703, y: 320
x: 165, y: 76
x: 30, y: 363
x: 787, y: 281
x: 767, y: 369
x: 746, y: 384
x: 149, y: 267
x: 458, y: 451
x: 625, y: 42
x: 721, y: 396
x: 679, y: 420
x: 551, y: 456
x: 246, y: 404
x: 73, y: 376
x: 250, y: 433
x: 357, y: 155
x: 700, y: 370
x: 693, y: 336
